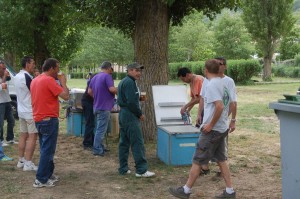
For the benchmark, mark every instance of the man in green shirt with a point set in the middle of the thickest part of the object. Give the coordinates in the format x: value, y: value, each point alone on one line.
x: 129, y: 120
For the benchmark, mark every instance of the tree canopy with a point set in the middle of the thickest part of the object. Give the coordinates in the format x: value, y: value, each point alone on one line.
x: 102, y: 43
x: 192, y: 40
x: 42, y: 28
x: 232, y: 39
x: 268, y: 21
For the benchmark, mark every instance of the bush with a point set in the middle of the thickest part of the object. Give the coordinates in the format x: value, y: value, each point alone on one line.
x: 297, y: 60
x: 241, y: 71
x: 279, y: 71
x: 287, y: 70
x: 77, y: 75
x: 114, y: 75
x: 121, y: 75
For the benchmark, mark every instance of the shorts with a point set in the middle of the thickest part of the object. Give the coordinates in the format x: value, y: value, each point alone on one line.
x: 27, y: 126
x: 211, y: 146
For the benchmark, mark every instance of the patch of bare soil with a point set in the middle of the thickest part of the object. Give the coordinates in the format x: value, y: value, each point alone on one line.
x: 254, y: 162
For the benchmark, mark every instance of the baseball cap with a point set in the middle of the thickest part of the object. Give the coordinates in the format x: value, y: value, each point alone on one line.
x: 135, y: 65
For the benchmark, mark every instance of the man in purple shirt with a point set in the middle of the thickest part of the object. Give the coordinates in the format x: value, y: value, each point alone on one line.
x: 103, y: 90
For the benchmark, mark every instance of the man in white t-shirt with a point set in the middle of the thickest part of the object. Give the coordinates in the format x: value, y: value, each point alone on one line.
x: 230, y: 85
x: 28, y: 131
x: 214, y: 129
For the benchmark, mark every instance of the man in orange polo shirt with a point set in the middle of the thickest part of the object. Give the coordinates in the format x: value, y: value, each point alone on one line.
x: 195, y: 82
x: 45, y: 106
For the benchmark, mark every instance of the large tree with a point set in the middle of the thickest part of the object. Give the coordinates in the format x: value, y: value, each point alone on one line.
x: 42, y: 28
x: 101, y: 43
x: 290, y: 44
x: 268, y: 21
x: 232, y: 38
x: 147, y: 22
x: 192, y: 40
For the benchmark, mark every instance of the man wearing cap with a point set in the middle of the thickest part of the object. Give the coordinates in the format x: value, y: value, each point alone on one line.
x: 103, y: 90
x: 5, y: 107
x: 129, y: 120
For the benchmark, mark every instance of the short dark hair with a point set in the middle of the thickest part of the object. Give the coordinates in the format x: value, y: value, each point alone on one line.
x: 212, y: 66
x: 49, y: 63
x: 25, y: 60
x: 183, y: 71
x: 105, y: 65
x: 221, y: 59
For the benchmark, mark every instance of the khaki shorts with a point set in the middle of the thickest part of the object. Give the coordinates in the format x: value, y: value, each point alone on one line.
x: 211, y: 146
x: 27, y: 126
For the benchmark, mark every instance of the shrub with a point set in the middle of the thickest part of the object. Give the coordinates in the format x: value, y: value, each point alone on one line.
x: 114, y: 75
x: 121, y: 75
x: 77, y: 75
x: 279, y: 71
x: 241, y: 71
x: 297, y: 60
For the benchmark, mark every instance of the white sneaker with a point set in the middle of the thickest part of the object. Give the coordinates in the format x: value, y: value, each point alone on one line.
x: 128, y: 172
x: 30, y: 167
x: 20, y: 164
x: 54, y: 178
x: 12, y: 142
x: 4, y: 143
x: 147, y: 174
x: 38, y: 184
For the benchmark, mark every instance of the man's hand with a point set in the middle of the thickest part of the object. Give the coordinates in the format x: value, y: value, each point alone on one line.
x: 231, y: 126
x: 4, y: 86
x: 62, y: 79
x: 142, y: 117
x: 198, y: 120
x: 182, y: 110
x: 6, y: 73
x: 206, y: 128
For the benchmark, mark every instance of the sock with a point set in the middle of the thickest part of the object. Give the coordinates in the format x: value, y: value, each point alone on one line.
x: 229, y: 190
x: 186, y: 189
x: 21, y: 159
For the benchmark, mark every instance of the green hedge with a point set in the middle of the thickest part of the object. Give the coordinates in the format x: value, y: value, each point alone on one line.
x: 77, y: 75
x: 241, y: 71
x: 286, y: 71
x: 115, y: 75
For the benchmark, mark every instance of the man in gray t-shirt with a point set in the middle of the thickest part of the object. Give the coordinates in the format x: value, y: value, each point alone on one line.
x: 214, y: 129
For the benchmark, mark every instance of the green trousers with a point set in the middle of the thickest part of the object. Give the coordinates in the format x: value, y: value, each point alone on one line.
x: 131, y: 137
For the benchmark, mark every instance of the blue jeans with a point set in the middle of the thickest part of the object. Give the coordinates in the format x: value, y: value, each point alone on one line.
x: 102, y: 118
x: 6, y: 113
x: 48, y: 132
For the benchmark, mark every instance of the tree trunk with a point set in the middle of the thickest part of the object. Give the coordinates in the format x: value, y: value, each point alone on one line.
x: 267, y: 71
x: 41, y: 52
x: 10, y: 57
x: 151, y: 50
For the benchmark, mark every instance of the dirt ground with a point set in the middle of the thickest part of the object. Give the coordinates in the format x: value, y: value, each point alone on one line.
x: 254, y: 162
